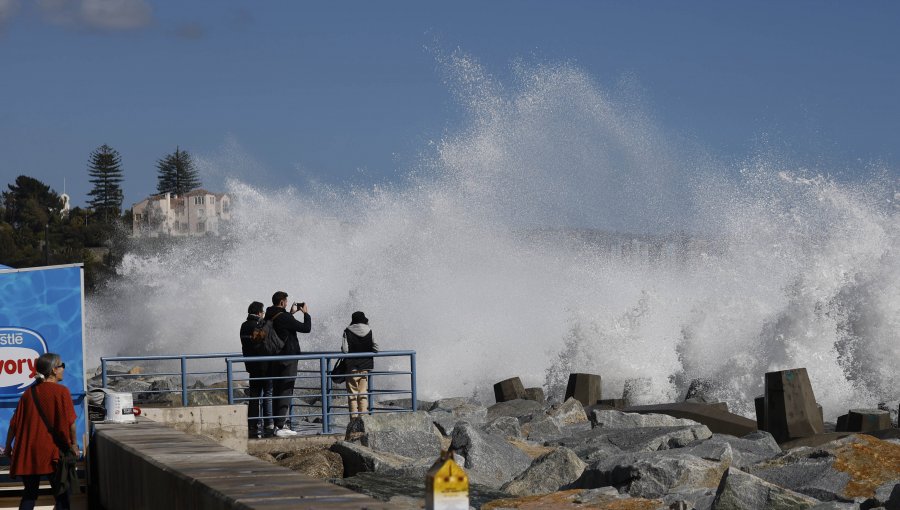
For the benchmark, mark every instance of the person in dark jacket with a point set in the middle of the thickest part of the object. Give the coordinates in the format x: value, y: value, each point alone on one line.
x: 259, y: 415
x: 285, y: 372
x: 358, y: 338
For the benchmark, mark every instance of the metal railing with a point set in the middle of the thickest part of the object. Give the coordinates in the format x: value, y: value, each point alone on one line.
x: 183, y: 372
x: 315, y: 367
x: 322, y: 374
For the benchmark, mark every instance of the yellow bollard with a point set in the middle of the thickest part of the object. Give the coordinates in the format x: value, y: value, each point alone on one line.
x: 446, y: 485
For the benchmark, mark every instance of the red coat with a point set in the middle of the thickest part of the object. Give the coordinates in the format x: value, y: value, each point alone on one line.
x: 33, y: 448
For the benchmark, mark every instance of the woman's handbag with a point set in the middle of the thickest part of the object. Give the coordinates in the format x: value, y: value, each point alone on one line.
x: 65, y: 472
x: 340, y: 368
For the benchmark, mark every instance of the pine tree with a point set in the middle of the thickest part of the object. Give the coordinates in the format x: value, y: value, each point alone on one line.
x: 176, y: 173
x: 105, y: 169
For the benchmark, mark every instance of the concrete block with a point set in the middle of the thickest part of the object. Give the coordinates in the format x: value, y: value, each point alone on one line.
x: 536, y: 394
x: 227, y: 424
x: 868, y: 420
x: 699, y: 391
x: 715, y: 419
x: 509, y: 389
x: 841, y: 425
x: 612, y: 403
x: 790, y: 405
x: 586, y: 388
x: 760, y: 404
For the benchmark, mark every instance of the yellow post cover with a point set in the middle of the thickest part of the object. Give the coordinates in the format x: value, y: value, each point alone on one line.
x: 446, y: 485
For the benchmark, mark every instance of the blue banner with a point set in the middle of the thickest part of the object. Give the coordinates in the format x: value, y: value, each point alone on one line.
x: 42, y: 311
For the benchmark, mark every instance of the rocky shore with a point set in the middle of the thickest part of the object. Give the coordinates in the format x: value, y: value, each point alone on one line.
x: 526, y: 453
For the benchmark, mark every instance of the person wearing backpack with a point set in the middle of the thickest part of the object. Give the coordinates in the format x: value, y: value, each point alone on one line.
x: 358, y: 338
x: 259, y: 414
x: 285, y: 372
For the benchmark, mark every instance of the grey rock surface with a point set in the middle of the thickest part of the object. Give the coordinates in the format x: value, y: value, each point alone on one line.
x: 404, y: 422
x: 654, y: 474
x: 446, y: 417
x: 490, y: 460
x: 549, y: 473
x: 749, y: 450
x: 743, y: 491
x: 361, y: 459
x: 414, y: 444
x: 568, y: 413
x: 506, y: 426
x: 612, y: 419
x: 632, y: 440
x: 520, y: 408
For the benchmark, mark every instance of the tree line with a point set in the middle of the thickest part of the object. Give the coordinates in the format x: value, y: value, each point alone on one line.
x: 36, y: 230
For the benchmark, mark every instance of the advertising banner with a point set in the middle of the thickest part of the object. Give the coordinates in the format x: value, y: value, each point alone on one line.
x: 42, y: 311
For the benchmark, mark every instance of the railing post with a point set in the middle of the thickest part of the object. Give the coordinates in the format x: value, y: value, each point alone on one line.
x: 370, y: 397
x: 230, y: 378
x: 184, y: 395
x: 103, y: 372
x: 323, y: 365
x: 412, y: 385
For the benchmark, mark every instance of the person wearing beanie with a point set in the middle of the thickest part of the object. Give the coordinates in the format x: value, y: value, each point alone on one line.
x: 358, y: 338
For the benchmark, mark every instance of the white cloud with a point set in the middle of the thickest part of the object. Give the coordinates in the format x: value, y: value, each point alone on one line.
x: 116, y: 14
x: 99, y: 14
x: 7, y: 9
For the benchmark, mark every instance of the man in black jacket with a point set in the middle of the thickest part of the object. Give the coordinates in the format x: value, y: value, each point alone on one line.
x: 286, y: 327
x: 259, y: 414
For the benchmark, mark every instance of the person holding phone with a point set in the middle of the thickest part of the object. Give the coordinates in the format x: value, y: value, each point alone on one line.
x: 285, y: 372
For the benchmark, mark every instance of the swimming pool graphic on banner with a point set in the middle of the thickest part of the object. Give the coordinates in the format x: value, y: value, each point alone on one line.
x: 43, y: 311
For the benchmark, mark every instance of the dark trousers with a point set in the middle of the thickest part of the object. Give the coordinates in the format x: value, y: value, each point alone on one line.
x: 29, y: 498
x: 283, y: 389
x: 259, y: 414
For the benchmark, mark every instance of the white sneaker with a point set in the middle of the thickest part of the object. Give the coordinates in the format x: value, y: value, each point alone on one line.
x: 285, y: 432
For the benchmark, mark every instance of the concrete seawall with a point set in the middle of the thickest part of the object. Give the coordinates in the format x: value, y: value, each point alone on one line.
x: 147, y: 465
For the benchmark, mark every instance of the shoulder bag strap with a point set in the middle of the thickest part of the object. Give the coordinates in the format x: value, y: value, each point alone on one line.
x: 57, y: 437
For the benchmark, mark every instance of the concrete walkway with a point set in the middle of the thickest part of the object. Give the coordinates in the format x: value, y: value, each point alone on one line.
x: 148, y: 465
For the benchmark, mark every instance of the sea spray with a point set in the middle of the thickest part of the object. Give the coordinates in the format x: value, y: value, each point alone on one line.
x: 558, y: 231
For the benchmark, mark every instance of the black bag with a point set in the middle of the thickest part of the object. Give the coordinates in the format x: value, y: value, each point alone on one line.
x: 340, y: 368
x: 65, y: 472
x: 266, y: 339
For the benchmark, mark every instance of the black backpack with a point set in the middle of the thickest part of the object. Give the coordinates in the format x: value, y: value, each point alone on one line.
x: 265, y: 339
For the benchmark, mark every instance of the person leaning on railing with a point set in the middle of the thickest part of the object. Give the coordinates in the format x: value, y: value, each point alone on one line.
x: 358, y: 338
x: 30, y: 443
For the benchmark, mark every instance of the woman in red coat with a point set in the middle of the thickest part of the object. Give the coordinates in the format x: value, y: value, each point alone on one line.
x: 34, y: 452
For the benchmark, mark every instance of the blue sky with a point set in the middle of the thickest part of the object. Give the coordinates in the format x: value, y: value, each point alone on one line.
x: 351, y: 92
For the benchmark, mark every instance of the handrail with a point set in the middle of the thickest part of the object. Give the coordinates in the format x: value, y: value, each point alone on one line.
x: 325, y: 380
x: 323, y: 374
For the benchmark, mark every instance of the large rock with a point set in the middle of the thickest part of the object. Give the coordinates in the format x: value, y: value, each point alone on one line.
x: 791, y: 410
x: 414, y: 444
x: 542, y: 427
x: 489, y: 459
x: 749, y: 450
x: 852, y: 467
x: 506, y: 426
x: 612, y: 419
x: 600, y: 442
x: 743, y: 491
x: 568, y: 413
x: 521, y: 409
x: 361, y: 459
x: 403, y: 422
x: 549, y: 473
x: 447, y: 414
x: 718, y: 420
x: 317, y: 463
x: 656, y: 474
